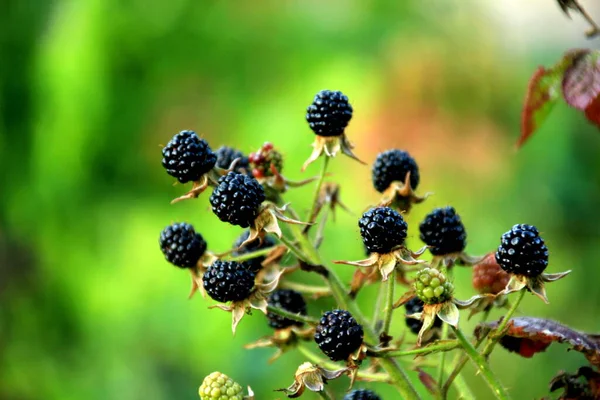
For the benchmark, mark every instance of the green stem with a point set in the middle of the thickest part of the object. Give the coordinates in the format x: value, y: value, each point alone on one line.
x: 306, y: 289
x: 455, y: 374
x: 493, y: 339
x: 312, y: 216
x: 389, y: 304
x: 482, y: 366
x: 322, y: 362
x: 325, y: 395
x: 295, y: 317
x: 432, y: 348
x: 463, y: 389
x: 442, y: 357
x: 249, y: 256
x: 295, y: 251
x: 378, y: 302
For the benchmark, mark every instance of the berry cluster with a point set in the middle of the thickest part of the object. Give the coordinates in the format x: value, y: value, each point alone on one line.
x: 338, y: 334
x: 187, y: 157
x: 432, y: 287
x: 329, y: 113
x: 265, y: 160
x: 382, y: 229
x: 236, y: 199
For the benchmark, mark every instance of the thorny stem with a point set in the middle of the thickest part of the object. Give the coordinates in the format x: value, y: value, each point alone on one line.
x: 389, y: 303
x: 254, y: 254
x: 442, y: 357
x: 436, y: 347
x: 482, y: 366
x: 306, y: 289
x: 313, y: 211
x: 320, y: 361
x: 298, y: 253
x: 293, y: 316
x: 595, y: 28
x: 493, y: 339
x: 455, y: 374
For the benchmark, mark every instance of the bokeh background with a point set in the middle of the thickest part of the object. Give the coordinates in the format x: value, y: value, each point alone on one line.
x: 90, y: 89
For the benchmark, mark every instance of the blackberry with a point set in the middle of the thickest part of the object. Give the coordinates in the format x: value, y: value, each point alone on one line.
x: 413, y: 306
x: 289, y: 300
x: 255, y: 264
x: 393, y: 165
x: 432, y: 287
x: 329, y: 113
x: 522, y: 251
x: 236, y: 199
x: 226, y: 155
x: 338, y: 334
x: 443, y: 230
x: 187, y: 157
x: 181, y: 245
x: 218, y: 386
x: 382, y: 229
x: 362, y: 394
x: 228, y: 281
x: 488, y: 276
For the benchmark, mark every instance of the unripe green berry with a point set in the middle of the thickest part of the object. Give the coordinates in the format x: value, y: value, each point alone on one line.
x: 432, y: 286
x: 218, y: 386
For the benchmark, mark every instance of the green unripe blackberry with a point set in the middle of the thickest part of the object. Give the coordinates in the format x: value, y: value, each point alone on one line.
x: 338, y: 334
x: 226, y: 155
x: 218, y: 386
x: 362, y: 394
x: 522, y: 251
x: 237, y: 199
x: 393, y: 165
x: 414, y: 306
x: 228, y: 281
x: 253, y: 263
x: 187, y: 157
x: 443, y: 230
x: 288, y: 300
x: 382, y: 229
x: 432, y: 287
x: 329, y: 113
x: 181, y: 245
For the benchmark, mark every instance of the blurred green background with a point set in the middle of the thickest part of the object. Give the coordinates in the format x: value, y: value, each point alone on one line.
x: 89, y: 90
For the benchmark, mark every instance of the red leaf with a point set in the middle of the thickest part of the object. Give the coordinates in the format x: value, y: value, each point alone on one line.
x: 592, y: 111
x: 544, y: 90
x: 581, y: 83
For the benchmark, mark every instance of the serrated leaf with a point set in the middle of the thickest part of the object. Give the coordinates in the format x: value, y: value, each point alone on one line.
x: 581, y: 82
x: 542, y: 93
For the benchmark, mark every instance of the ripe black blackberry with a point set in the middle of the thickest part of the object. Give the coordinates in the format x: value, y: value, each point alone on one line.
x: 338, y: 334
x: 289, y: 300
x: 187, y: 157
x: 254, y: 263
x: 393, y: 165
x: 236, y: 199
x: 226, y: 155
x: 443, y: 230
x: 181, y: 245
x: 413, y: 306
x: 522, y: 251
x: 228, y: 281
x: 329, y: 113
x: 362, y: 394
x: 382, y: 229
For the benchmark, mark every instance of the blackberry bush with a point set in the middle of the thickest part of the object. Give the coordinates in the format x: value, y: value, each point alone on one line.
x: 344, y: 341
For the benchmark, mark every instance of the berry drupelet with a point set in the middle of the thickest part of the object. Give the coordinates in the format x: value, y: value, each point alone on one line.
x: 329, y: 113
x: 522, y: 251
x: 181, y: 245
x: 338, y: 334
x: 432, y: 287
x: 362, y: 394
x: 488, y: 276
x: 393, y: 165
x: 414, y: 306
x: 228, y: 281
x: 254, y: 263
x: 262, y: 160
x: 443, y: 231
x: 288, y: 300
x: 187, y: 157
x: 237, y: 199
x: 226, y: 155
x: 218, y: 386
x: 382, y: 229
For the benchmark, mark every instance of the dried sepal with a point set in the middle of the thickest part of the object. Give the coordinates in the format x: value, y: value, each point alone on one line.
x: 275, y: 183
x: 211, y: 178
x: 312, y: 377
x: 448, y: 313
x: 267, y: 222
x: 386, y: 263
x: 330, y: 145
x: 533, y: 284
x: 401, y: 195
x: 257, y: 300
x: 328, y: 195
x: 198, y: 271
x: 283, y: 340
x: 450, y: 260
